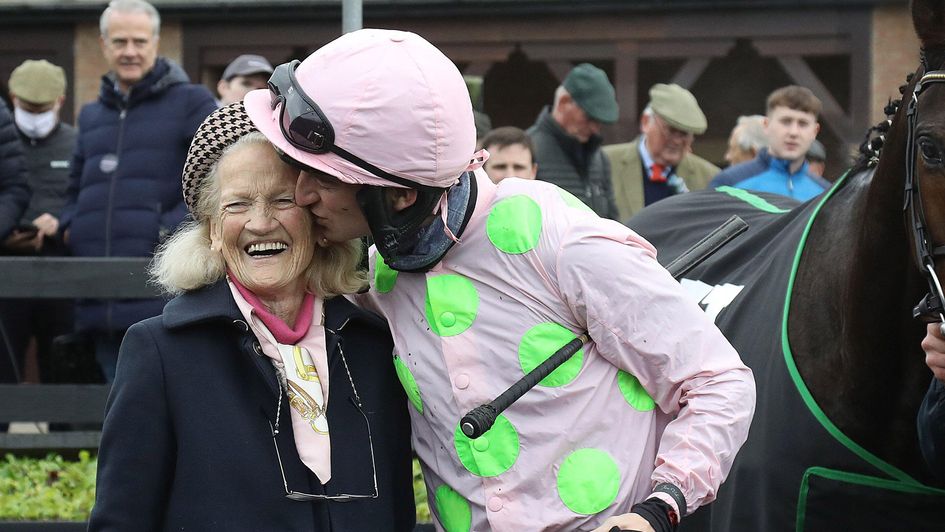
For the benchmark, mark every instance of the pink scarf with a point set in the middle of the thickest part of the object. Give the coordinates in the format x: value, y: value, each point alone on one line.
x: 302, y: 352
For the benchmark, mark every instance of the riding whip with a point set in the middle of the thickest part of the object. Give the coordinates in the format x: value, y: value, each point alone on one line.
x: 480, y: 419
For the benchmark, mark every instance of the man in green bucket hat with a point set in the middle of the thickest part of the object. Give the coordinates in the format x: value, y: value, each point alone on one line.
x: 568, y: 142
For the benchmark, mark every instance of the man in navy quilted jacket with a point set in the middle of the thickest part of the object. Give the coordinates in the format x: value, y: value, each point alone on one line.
x: 124, y: 194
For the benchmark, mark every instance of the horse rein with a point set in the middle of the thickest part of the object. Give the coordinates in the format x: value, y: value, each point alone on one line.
x: 932, y: 304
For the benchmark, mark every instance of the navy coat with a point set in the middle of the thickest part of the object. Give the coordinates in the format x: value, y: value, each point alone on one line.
x: 931, y: 421
x: 187, y: 445
x: 124, y: 192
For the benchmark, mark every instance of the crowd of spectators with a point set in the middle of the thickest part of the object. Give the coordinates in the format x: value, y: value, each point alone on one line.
x: 110, y: 186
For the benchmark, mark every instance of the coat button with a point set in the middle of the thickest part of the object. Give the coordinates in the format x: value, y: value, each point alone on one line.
x: 481, y: 444
x: 258, y: 349
x: 448, y: 319
x: 462, y: 381
x: 241, y: 325
x: 495, y: 504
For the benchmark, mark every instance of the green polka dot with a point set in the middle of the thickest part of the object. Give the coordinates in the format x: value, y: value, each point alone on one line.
x: 572, y: 201
x: 384, y: 276
x: 408, y: 382
x: 587, y: 481
x: 452, y: 303
x: 453, y: 510
x: 494, y: 454
x: 514, y: 224
x: 634, y: 392
x: 539, y: 343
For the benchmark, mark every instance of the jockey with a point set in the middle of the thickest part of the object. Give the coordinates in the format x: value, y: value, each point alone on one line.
x: 481, y: 282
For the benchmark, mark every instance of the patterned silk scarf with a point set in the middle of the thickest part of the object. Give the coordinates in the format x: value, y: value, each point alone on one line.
x: 301, y: 359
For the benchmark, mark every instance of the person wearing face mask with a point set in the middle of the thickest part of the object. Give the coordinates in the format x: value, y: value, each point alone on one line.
x: 37, y: 89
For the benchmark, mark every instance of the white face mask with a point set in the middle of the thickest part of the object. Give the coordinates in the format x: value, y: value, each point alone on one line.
x: 36, y: 125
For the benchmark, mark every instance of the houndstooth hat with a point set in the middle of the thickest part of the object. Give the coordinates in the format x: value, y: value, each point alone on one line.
x: 217, y: 132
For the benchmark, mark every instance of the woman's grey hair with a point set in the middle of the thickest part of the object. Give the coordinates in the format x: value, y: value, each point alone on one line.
x: 185, y: 261
x: 130, y: 6
x: 750, y: 133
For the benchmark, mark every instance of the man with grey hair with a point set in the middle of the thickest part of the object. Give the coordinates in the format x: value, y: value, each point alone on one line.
x: 125, y: 193
x: 660, y: 162
x: 567, y: 138
x: 746, y: 140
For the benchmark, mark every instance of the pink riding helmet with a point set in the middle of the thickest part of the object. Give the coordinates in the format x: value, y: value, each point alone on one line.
x: 393, y: 100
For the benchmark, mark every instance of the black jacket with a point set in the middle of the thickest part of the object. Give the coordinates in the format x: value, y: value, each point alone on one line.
x: 14, y: 192
x: 187, y: 444
x: 47, y: 160
x: 581, y: 169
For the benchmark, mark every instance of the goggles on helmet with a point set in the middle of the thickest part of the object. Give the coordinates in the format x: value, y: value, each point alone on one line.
x: 306, y: 127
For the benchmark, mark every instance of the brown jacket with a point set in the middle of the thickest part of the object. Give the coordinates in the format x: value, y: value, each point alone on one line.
x: 627, y: 175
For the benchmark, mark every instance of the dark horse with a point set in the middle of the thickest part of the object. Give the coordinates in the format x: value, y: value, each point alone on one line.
x: 827, y: 326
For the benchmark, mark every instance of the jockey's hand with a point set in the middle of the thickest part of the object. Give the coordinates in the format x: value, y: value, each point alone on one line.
x: 934, y: 346
x: 625, y: 522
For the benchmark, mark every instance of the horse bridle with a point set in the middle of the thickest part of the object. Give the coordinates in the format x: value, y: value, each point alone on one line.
x: 926, y: 253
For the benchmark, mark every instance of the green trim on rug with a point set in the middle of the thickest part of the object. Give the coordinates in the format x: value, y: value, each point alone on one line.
x: 900, y: 477
x: 850, y: 478
x: 755, y: 201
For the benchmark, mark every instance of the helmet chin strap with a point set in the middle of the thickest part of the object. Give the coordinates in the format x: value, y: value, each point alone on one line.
x: 397, y: 233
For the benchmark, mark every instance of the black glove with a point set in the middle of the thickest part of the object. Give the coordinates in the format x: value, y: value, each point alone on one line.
x: 660, y: 515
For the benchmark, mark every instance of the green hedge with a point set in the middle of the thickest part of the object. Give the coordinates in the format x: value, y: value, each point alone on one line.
x: 52, y: 488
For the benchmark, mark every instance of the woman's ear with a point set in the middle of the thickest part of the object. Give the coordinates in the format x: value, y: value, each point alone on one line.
x: 401, y: 198
x: 216, y: 236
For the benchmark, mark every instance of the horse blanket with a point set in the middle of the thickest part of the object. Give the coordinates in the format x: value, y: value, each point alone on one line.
x: 797, y: 471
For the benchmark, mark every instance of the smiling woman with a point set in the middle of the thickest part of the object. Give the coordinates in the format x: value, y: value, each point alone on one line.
x: 257, y: 400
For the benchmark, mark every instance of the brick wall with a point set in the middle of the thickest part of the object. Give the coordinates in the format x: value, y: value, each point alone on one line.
x: 894, y: 53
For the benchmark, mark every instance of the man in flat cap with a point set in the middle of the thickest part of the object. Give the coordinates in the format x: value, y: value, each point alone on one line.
x: 791, y: 127
x: 245, y: 73
x: 38, y: 91
x: 567, y: 138
x: 660, y: 163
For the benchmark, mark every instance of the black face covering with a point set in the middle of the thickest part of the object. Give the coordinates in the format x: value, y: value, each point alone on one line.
x: 403, y: 240
x: 396, y: 233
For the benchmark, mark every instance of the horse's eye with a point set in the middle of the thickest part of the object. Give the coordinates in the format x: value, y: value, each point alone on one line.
x: 931, y: 153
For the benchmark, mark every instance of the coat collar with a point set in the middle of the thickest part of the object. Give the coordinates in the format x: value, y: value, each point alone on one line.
x: 215, y: 303
x: 164, y: 74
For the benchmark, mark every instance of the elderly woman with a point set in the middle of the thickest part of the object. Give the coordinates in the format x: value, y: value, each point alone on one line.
x: 256, y: 401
